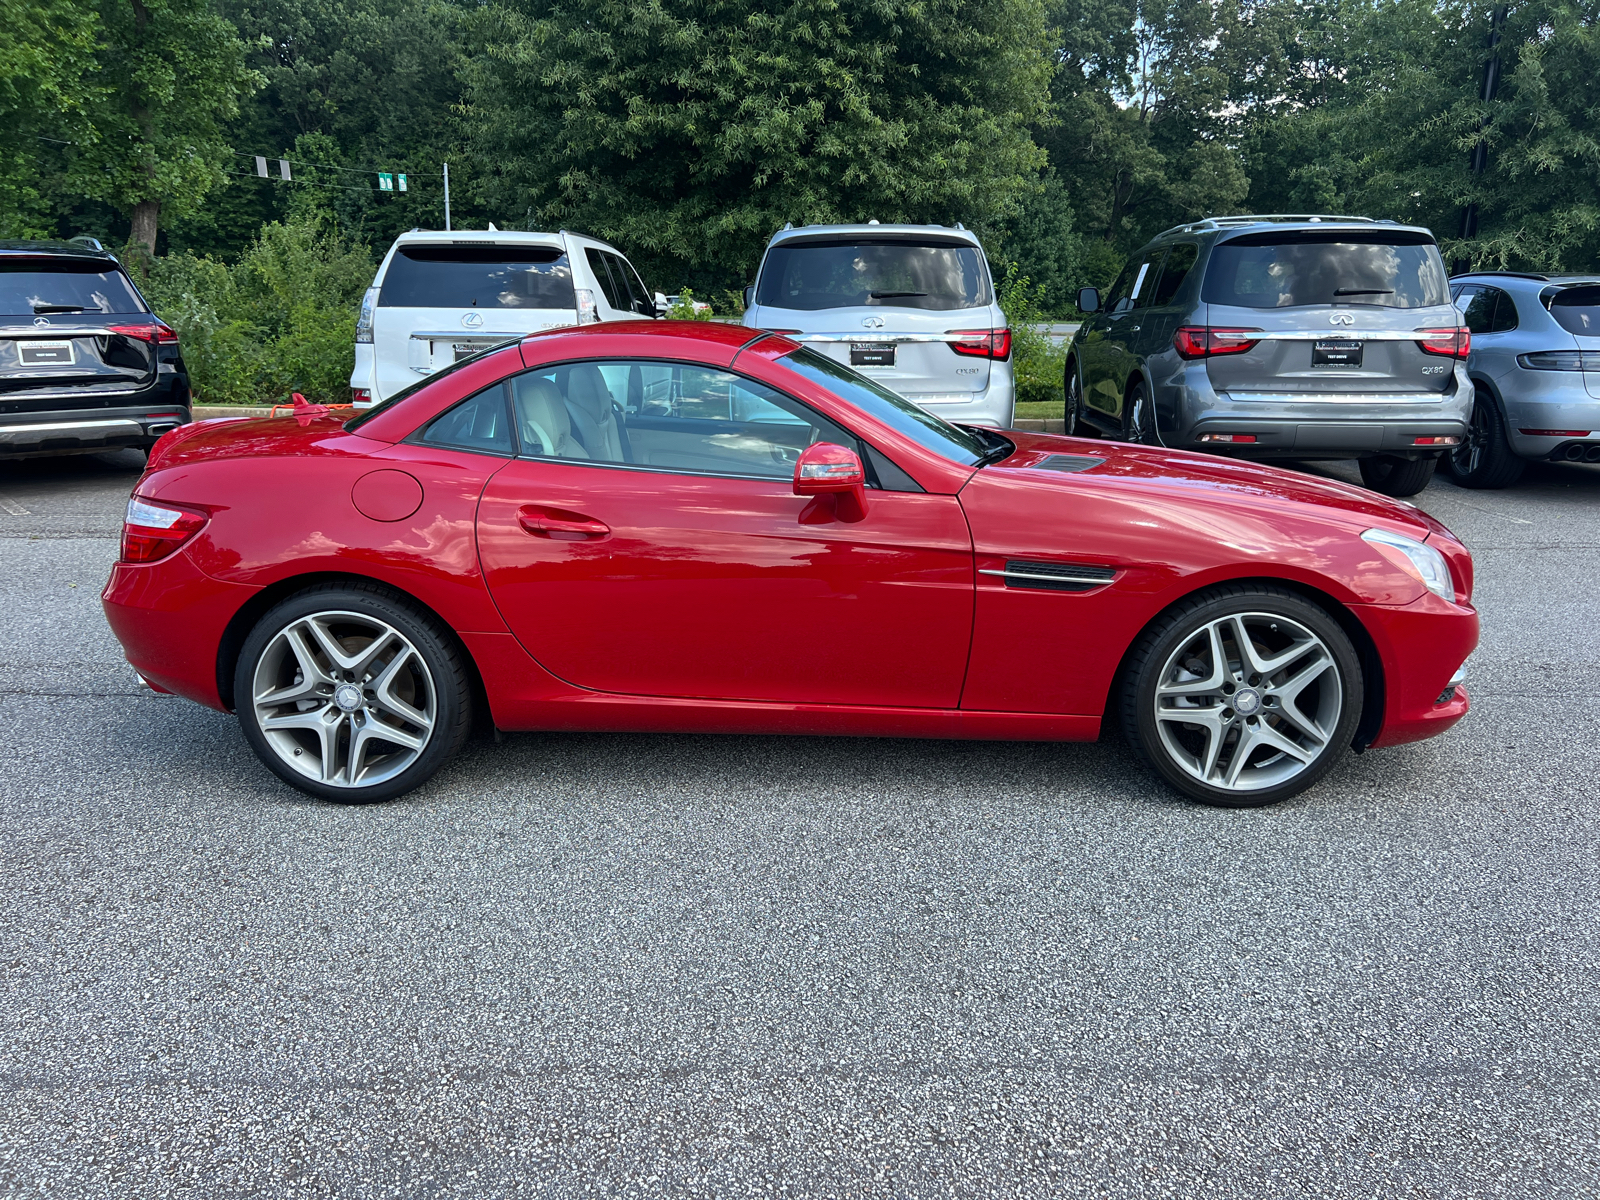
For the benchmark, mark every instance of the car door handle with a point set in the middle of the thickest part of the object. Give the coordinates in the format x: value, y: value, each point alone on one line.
x: 556, y: 523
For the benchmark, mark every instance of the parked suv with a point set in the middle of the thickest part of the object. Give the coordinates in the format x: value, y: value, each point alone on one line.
x: 85, y: 366
x: 1300, y: 337
x: 1535, y: 370
x: 439, y: 297
x: 912, y: 306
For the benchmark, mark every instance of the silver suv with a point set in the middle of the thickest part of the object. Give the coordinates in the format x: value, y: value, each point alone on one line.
x: 912, y: 306
x: 1292, y: 337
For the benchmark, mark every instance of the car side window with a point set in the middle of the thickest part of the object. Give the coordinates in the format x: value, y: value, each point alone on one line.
x: 663, y: 416
x: 1136, y: 278
x: 1478, y: 308
x: 1180, y: 261
x: 1118, y: 291
x: 481, y: 422
x: 628, y: 286
x: 602, y: 273
x: 1505, y: 313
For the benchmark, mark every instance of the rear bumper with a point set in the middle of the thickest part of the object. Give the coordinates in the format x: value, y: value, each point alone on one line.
x: 85, y: 430
x: 1423, y: 645
x: 995, y: 407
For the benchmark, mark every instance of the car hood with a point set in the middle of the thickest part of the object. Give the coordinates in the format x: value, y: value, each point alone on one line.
x: 256, y: 437
x: 1201, y: 478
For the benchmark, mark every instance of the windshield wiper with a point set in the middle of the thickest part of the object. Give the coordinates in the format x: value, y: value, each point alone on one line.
x: 41, y: 309
x: 1000, y: 448
x: 1363, y: 291
x: 893, y: 295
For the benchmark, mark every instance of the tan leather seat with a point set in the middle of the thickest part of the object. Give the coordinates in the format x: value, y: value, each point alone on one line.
x: 542, y: 420
x: 594, y: 416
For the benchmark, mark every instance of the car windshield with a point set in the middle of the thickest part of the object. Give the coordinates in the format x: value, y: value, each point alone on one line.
x: 31, y: 287
x: 424, y: 276
x: 1577, y: 309
x: 949, y: 441
x: 1284, y: 270
x: 870, y: 273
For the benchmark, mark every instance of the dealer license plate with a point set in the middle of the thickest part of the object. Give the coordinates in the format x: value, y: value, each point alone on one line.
x: 1336, y: 352
x: 47, y: 354
x: 872, y: 354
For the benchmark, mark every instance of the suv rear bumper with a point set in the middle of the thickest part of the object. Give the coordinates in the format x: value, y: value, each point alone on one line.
x: 1309, y: 426
x: 87, y: 430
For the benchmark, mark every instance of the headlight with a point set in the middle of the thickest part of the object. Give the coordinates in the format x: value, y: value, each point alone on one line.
x: 1415, y: 558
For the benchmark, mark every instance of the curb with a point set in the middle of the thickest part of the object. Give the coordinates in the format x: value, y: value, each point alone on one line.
x: 1040, y: 424
x: 202, y: 412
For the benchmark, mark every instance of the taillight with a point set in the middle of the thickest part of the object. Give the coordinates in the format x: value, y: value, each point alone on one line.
x: 153, y: 530
x: 360, y: 397
x: 158, y: 334
x: 1452, y: 343
x: 587, y: 312
x: 1560, y: 360
x: 1205, y: 341
x: 981, y: 343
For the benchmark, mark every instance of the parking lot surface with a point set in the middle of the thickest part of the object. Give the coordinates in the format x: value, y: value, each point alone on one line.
x: 698, y: 966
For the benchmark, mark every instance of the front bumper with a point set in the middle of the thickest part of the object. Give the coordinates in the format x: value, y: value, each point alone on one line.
x: 86, y: 430
x: 1423, y: 647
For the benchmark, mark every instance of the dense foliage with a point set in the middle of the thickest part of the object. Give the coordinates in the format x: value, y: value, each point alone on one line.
x: 1066, y: 131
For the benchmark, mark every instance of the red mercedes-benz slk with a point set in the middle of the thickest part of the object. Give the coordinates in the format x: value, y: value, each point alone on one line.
x: 653, y: 526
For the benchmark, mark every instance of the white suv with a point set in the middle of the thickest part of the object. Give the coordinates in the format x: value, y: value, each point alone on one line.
x: 440, y: 296
x: 912, y: 306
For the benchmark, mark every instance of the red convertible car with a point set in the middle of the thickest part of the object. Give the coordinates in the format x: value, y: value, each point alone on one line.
x: 662, y: 526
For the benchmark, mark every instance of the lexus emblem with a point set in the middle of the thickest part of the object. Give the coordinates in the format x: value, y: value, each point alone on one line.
x: 472, y: 320
x: 872, y: 322
x: 41, y: 320
x: 1342, y: 319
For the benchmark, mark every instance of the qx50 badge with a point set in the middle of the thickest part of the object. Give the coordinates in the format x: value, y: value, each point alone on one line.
x: 1342, y: 319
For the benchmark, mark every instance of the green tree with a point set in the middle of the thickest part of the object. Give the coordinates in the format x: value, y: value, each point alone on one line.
x: 689, y: 130
x: 174, y: 73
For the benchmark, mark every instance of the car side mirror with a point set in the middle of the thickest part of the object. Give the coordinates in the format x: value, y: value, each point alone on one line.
x: 749, y: 295
x: 661, y: 305
x: 1089, y: 300
x: 827, y: 469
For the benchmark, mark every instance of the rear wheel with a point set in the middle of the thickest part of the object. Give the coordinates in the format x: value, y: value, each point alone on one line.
x: 1394, y: 476
x: 1485, y: 459
x: 348, y: 693
x: 1242, y: 696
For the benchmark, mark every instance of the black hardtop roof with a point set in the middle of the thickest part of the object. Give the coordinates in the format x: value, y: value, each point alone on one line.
x: 35, y: 249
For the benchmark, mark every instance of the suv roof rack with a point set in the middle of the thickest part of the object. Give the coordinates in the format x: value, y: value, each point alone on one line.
x: 1238, y: 222
x: 85, y: 240
x: 1504, y: 275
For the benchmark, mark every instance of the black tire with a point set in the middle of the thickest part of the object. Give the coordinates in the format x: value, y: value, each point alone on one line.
x: 1485, y: 459
x: 1139, y: 416
x: 1394, y: 476
x: 430, y: 679
x: 1264, y: 610
x: 1075, y: 424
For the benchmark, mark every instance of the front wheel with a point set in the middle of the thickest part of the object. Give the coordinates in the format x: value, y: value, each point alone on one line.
x: 1394, y: 476
x: 347, y: 692
x: 1242, y: 696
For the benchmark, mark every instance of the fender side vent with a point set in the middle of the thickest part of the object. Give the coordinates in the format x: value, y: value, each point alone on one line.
x: 1068, y: 463
x: 1053, y: 577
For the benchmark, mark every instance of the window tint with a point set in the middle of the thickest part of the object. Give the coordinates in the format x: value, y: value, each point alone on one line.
x: 629, y: 289
x: 1180, y: 261
x: 949, y: 441
x: 1577, y: 310
x: 1505, y: 314
x: 479, y: 422
x: 1284, y: 270
x: 478, y: 276
x: 39, y: 287
x: 1118, y: 291
x: 895, y: 273
x: 1477, y: 307
x: 617, y: 298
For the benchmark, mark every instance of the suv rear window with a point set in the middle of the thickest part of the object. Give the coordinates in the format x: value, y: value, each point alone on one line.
x: 1284, y: 270
x: 40, y: 287
x: 478, y: 277
x: 1577, y: 310
x: 867, y: 272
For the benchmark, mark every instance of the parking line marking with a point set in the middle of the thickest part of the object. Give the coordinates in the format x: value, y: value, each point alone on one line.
x: 12, y: 507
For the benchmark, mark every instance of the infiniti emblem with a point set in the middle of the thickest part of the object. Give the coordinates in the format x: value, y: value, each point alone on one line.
x: 472, y: 320
x: 1342, y: 319
x: 872, y: 322
x: 41, y: 320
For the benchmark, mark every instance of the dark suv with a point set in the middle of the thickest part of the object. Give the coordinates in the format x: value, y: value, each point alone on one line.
x: 85, y: 366
x: 1295, y: 337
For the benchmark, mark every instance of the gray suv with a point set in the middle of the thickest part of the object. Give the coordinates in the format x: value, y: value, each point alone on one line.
x: 1290, y: 337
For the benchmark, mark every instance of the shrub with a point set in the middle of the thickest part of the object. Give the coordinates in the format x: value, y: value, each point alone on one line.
x: 1039, y: 366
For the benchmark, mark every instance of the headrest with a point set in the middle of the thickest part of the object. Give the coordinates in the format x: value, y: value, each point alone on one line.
x: 586, y: 389
x: 539, y: 407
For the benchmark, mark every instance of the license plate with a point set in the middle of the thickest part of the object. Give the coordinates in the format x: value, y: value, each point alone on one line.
x: 468, y: 349
x: 1336, y: 352
x: 47, y: 354
x: 872, y: 354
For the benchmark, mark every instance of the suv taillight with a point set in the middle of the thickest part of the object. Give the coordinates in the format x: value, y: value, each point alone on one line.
x: 587, y: 311
x: 981, y: 343
x: 364, y: 315
x: 1452, y: 343
x: 1204, y: 341
x: 153, y: 530
x: 159, y: 334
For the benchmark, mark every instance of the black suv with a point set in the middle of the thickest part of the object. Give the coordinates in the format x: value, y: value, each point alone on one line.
x: 1290, y: 337
x: 85, y: 366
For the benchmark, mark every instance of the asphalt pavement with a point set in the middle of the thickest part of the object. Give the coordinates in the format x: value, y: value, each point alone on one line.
x: 695, y: 966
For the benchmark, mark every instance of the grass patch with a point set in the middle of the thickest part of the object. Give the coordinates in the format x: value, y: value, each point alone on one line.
x: 1048, y: 410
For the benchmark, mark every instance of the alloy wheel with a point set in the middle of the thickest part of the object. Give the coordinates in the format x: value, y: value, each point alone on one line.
x: 344, y: 699
x: 1248, y: 701
x: 1469, y: 456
